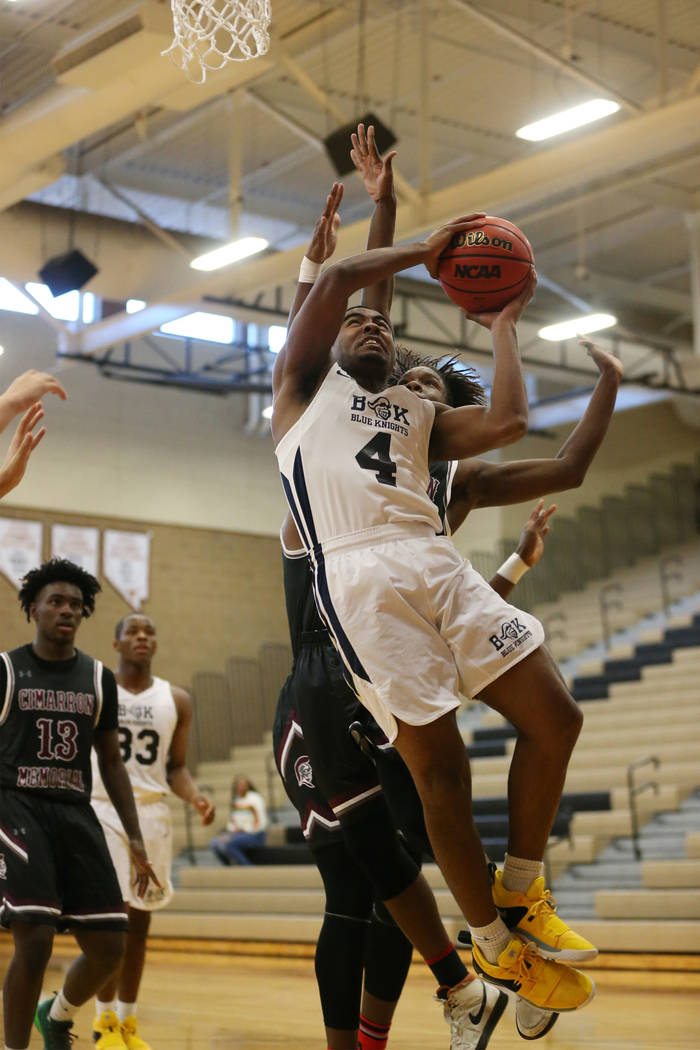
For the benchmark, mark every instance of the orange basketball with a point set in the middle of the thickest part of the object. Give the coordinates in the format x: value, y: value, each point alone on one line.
x: 483, y: 269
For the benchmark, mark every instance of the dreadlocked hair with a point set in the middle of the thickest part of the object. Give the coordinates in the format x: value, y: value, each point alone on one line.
x: 463, y: 386
x: 55, y: 571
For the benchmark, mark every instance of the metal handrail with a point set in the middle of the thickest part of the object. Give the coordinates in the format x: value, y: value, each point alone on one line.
x: 605, y: 605
x: 665, y: 576
x: 560, y: 632
x: 636, y: 789
x: 271, y: 775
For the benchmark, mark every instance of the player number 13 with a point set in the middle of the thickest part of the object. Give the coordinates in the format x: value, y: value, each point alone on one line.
x: 376, y: 456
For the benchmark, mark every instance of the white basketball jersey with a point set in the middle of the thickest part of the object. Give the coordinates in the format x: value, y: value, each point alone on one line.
x: 147, y: 722
x: 357, y: 461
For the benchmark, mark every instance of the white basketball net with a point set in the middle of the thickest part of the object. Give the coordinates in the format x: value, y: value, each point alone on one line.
x: 211, y: 33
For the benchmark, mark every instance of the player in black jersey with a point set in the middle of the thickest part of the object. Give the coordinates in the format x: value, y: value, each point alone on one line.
x: 57, y: 703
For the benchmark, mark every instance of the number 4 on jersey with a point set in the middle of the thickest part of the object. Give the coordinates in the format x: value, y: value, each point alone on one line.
x: 376, y: 456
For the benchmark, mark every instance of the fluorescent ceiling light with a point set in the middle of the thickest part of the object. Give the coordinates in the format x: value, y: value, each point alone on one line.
x: 65, y: 307
x: 12, y: 299
x: 555, y: 333
x: 133, y: 306
x: 214, y: 328
x: 575, y: 117
x: 229, y: 253
x: 267, y: 412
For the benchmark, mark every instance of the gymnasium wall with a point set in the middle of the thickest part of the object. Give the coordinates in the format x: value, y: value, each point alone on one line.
x: 214, y: 594
x: 143, y: 452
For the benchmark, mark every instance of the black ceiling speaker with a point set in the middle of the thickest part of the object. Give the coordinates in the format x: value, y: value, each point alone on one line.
x: 338, y: 142
x: 67, y: 272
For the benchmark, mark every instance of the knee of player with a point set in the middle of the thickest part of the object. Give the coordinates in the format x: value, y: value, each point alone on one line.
x: 443, y: 776
x: 139, y: 923
x: 569, y: 721
x: 107, y: 951
x: 379, y: 853
x: 33, y: 942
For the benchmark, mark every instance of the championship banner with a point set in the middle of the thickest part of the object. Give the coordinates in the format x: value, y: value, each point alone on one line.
x: 126, y: 559
x: 79, y: 544
x: 20, y: 548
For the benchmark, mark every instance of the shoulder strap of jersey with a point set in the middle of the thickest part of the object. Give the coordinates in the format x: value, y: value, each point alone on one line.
x: 9, y: 686
x: 97, y: 678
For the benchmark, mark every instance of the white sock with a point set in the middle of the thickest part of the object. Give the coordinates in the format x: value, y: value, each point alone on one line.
x: 519, y: 874
x: 61, y: 1009
x: 16, y: 1047
x: 105, y: 1007
x: 492, y: 939
x: 125, y: 1010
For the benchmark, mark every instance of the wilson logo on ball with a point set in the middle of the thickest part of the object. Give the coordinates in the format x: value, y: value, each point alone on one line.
x: 472, y: 238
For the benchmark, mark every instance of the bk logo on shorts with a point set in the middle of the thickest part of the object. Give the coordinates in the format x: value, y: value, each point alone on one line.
x: 511, y: 637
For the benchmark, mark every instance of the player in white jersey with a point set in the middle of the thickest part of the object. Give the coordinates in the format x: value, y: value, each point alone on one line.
x: 154, y: 722
x: 406, y: 614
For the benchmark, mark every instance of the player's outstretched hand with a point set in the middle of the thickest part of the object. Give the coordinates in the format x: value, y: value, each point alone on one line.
x: 325, y: 236
x: 30, y: 387
x: 512, y: 311
x: 441, y: 237
x: 531, y: 546
x: 605, y: 361
x: 205, y: 807
x: 142, y: 866
x: 21, y: 447
x: 375, y: 171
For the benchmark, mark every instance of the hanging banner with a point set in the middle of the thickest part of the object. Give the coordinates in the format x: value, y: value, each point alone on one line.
x: 126, y: 560
x: 20, y: 548
x: 79, y: 544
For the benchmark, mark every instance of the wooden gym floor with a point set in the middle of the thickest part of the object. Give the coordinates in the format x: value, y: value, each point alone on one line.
x: 196, y: 998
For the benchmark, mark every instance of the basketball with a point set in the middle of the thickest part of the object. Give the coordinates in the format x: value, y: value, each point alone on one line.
x: 483, y: 269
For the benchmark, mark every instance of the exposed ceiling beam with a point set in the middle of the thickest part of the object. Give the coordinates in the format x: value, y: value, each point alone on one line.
x: 522, y: 185
x: 562, y: 64
x: 403, y: 187
x: 608, y: 289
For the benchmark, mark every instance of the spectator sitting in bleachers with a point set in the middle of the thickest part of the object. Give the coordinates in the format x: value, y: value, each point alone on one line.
x: 247, y: 825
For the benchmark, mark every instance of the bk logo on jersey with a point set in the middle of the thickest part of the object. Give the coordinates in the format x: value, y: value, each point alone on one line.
x: 512, y: 635
x: 382, y: 407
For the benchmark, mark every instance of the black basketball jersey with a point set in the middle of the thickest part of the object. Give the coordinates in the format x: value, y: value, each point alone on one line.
x: 302, y: 614
x: 50, y: 712
x: 440, y: 489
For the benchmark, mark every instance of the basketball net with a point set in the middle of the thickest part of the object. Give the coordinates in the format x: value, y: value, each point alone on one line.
x: 211, y: 33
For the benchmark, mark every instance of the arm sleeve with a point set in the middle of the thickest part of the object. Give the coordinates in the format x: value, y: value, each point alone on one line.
x: 109, y: 716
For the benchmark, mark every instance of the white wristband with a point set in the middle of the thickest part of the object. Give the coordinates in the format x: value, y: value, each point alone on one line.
x: 513, y: 568
x: 309, y: 271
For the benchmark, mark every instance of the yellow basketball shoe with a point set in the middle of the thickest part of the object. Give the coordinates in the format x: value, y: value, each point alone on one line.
x: 106, y: 1032
x: 540, y: 982
x: 131, y: 1036
x: 533, y: 916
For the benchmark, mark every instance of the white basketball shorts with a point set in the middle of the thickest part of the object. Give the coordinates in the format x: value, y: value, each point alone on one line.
x: 156, y: 828
x: 416, y: 626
